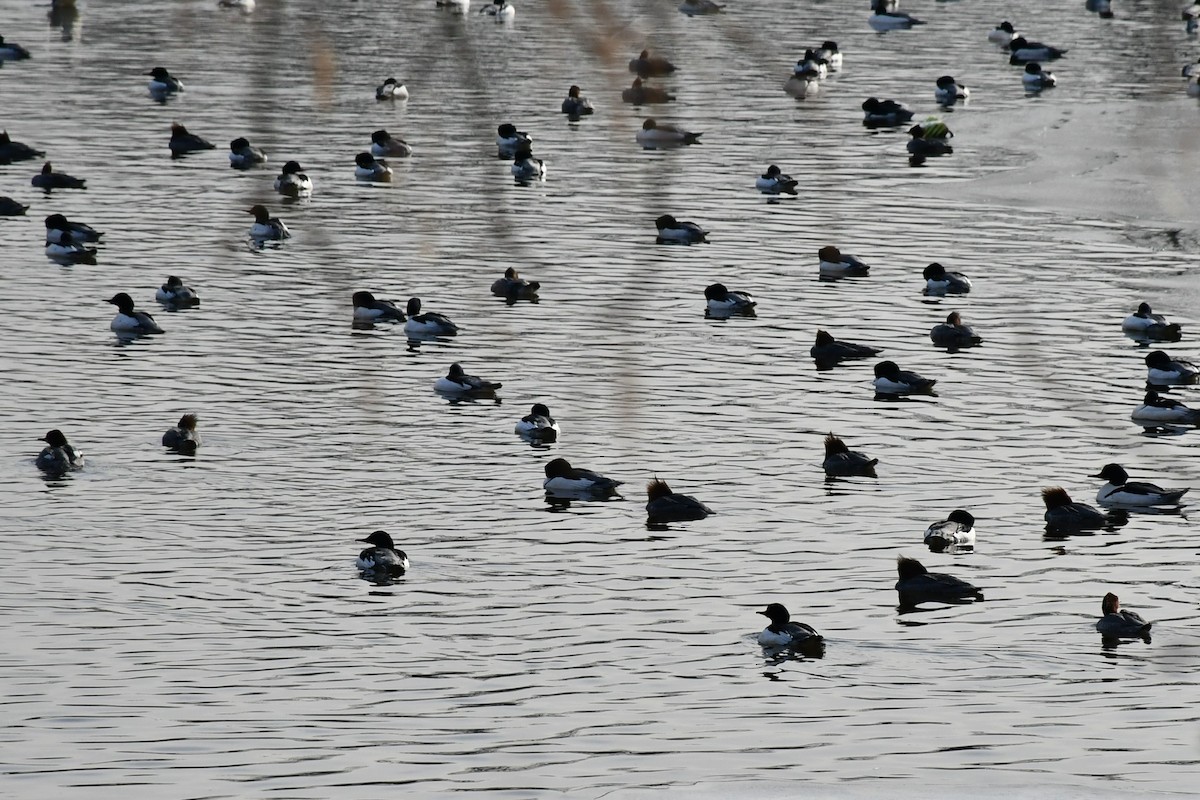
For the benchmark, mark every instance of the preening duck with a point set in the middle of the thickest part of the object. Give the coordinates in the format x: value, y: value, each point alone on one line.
x: 538, y: 425
x: 773, y: 181
x: 384, y: 145
x: 660, y: 134
x: 957, y: 531
x: 58, y: 456
x: 833, y: 263
x: 721, y: 302
x: 391, y: 89
x: 890, y: 380
x: 457, y: 382
x: 575, y: 106
x: 242, y: 154
x: 368, y: 168
x: 292, y: 181
x: 369, y: 309
x: 265, y: 226
x: 513, y: 287
x: 830, y: 351
x: 1147, y: 324
x: 183, y: 438
x: 940, y: 281
x: 918, y: 585
x: 173, y: 294
x: 671, y: 230
x: 564, y: 480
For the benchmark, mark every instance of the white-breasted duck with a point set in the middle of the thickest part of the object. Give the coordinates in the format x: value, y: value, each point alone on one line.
x: 1146, y: 323
x: 371, y: 169
x: 538, y: 425
x: 459, y: 383
x: 173, y: 294
x: 890, y: 380
x: 957, y: 530
x: 527, y: 168
x: 564, y: 480
x: 428, y: 323
x: 1120, y: 491
x: 391, y: 89
x: 661, y: 134
x: 382, y: 555
x: 1024, y: 50
x: 774, y: 181
x: 130, y: 321
x: 57, y: 224
x: 292, y: 181
x: 242, y: 154
x: 384, y: 145
x: 833, y: 263
x: 1156, y: 411
x: 1163, y: 370
x: 68, y: 251
x: 368, y: 309
x: 783, y: 632
x: 884, y: 17
x: 671, y: 230
x: 500, y: 10
x: 940, y: 281
x: 265, y: 226
x: 1035, y: 78
x: 1002, y: 34
x: 163, y: 82
x: 509, y: 140
x: 949, y: 91
x: 721, y: 301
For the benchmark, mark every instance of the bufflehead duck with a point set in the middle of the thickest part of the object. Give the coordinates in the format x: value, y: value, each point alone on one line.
x: 183, y: 437
x: 663, y: 505
x: 891, y: 380
x: 925, y: 143
x: 648, y: 66
x: 163, y: 82
x: 563, y: 479
x: 11, y: 51
x: 694, y: 8
x: 174, y: 294
x: 1161, y: 369
x: 429, y: 323
x: 722, y: 302
x: 640, y: 95
x: 884, y: 17
x: 773, y: 181
x: 183, y: 142
x: 1150, y: 325
x: 840, y: 460
x: 660, y: 134
x: 242, y: 154
x: 829, y: 53
x: 457, y: 382
x: 575, y: 106
x: 1120, y: 491
x: 369, y: 168
x: 782, y: 632
x: 834, y: 263
x: 11, y: 208
x: 68, y: 251
x: 382, y: 556
x: 884, y: 113
x: 1120, y: 624
x: 918, y: 585
x: 502, y: 10
x: 953, y: 333
x: 384, y: 145
x: 672, y: 230
x: 509, y: 140
x: 538, y: 425
x: 949, y: 91
x: 1064, y: 515
x: 130, y: 321
x: 57, y: 224
x: 513, y: 287
x: 1037, y: 78
x: 1002, y: 34
x: 1023, y: 50
x: 957, y: 530
x: 292, y: 181
x: 265, y: 226
x: 58, y: 455
x: 368, y: 309
x: 11, y: 152
x: 829, y: 351
x: 527, y: 168
x: 1155, y: 411
x: 49, y: 179
x: 391, y: 89
x: 939, y: 281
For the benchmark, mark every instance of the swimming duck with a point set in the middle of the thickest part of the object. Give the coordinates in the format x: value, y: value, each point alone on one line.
x: 953, y: 333
x: 382, y: 555
x: 245, y: 6
x: 640, y: 95
x: 647, y: 66
x: 174, y: 294
x: 49, y: 179
x: 665, y: 506
x: 183, y: 142
x: 1150, y: 325
x: 538, y: 425
x: 674, y: 231
x: 660, y: 134
x: 391, y: 89
x: 782, y: 632
x: 840, y: 460
x: 918, y: 585
x: 461, y: 6
x: 57, y: 224
x: 1119, y: 624
x: 292, y: 181
x: 829, y: 53
x: 1002, y: 34
x: 429, y: 323
x: 803, y: 84
x: 891, y: 380
x: 1162, y: 369
x: 773, y: 181
x: 265, y: 226
x: 183, y: 437
x: 811, y: 63
x: 11, y: 51
x: 368, y: 309
x: 58, y: 456
x: 938, y: 281
x: 956, y: 530
x: 11, y: 152
x: 924, y: 144
x: 575, y: 106
x: 514, y: 287
x: 830, y: 351
x: 834, y: 263
x: 11, y: 208
x: 884, y: 113
x: 68, y: 251
x: 130, y: 321
x: 1191, y: 70
x: 563, y: 479
x: 1191, y: 18
x: 509, y: 140
x: 694, y: 8
x: 369, y: 168
x: 1024, y: 50
x: 723, y: 302
x: 1156, y: 410
x: 1064, y: 515
x: 1120, y: 491
x: 242, y: 154
x: 384, y: 145
x: 527, y: 168
x: 502, y: 10
x: 949, y: 91
x: 163, y: 82
x: 457, y: 382
x: 884, y: 17
x: 1037, y: 78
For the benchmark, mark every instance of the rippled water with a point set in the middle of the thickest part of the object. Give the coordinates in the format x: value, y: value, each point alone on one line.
x: 192, y: 628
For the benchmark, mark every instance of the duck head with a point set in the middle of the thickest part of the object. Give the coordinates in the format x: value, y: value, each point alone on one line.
x: 559, y: 468
x: 887, y: 369
x: 716, y: 291
x: 380, y: 539
x: 963, y: 518
x: 665, y: 221
x: 1111, y: 604
x: 414, y: 308
x: 540, y: 410
x: 934, y: 272
x: 776, y: 613
x: 830, y: 254
x: 123, y: 302
x: 188, y: 422
x: 240, y: 143
x: 365, y: 160
x: 260, y: 213
x: 834, y: 445
x: 657, y: 489
x: 362, y: 298
x: 55, y: 438
x: 824, y: 338
x: 1055, y: 497
x: 909, y: 568
x: 1158, y: 360
x: 1114, y: 474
